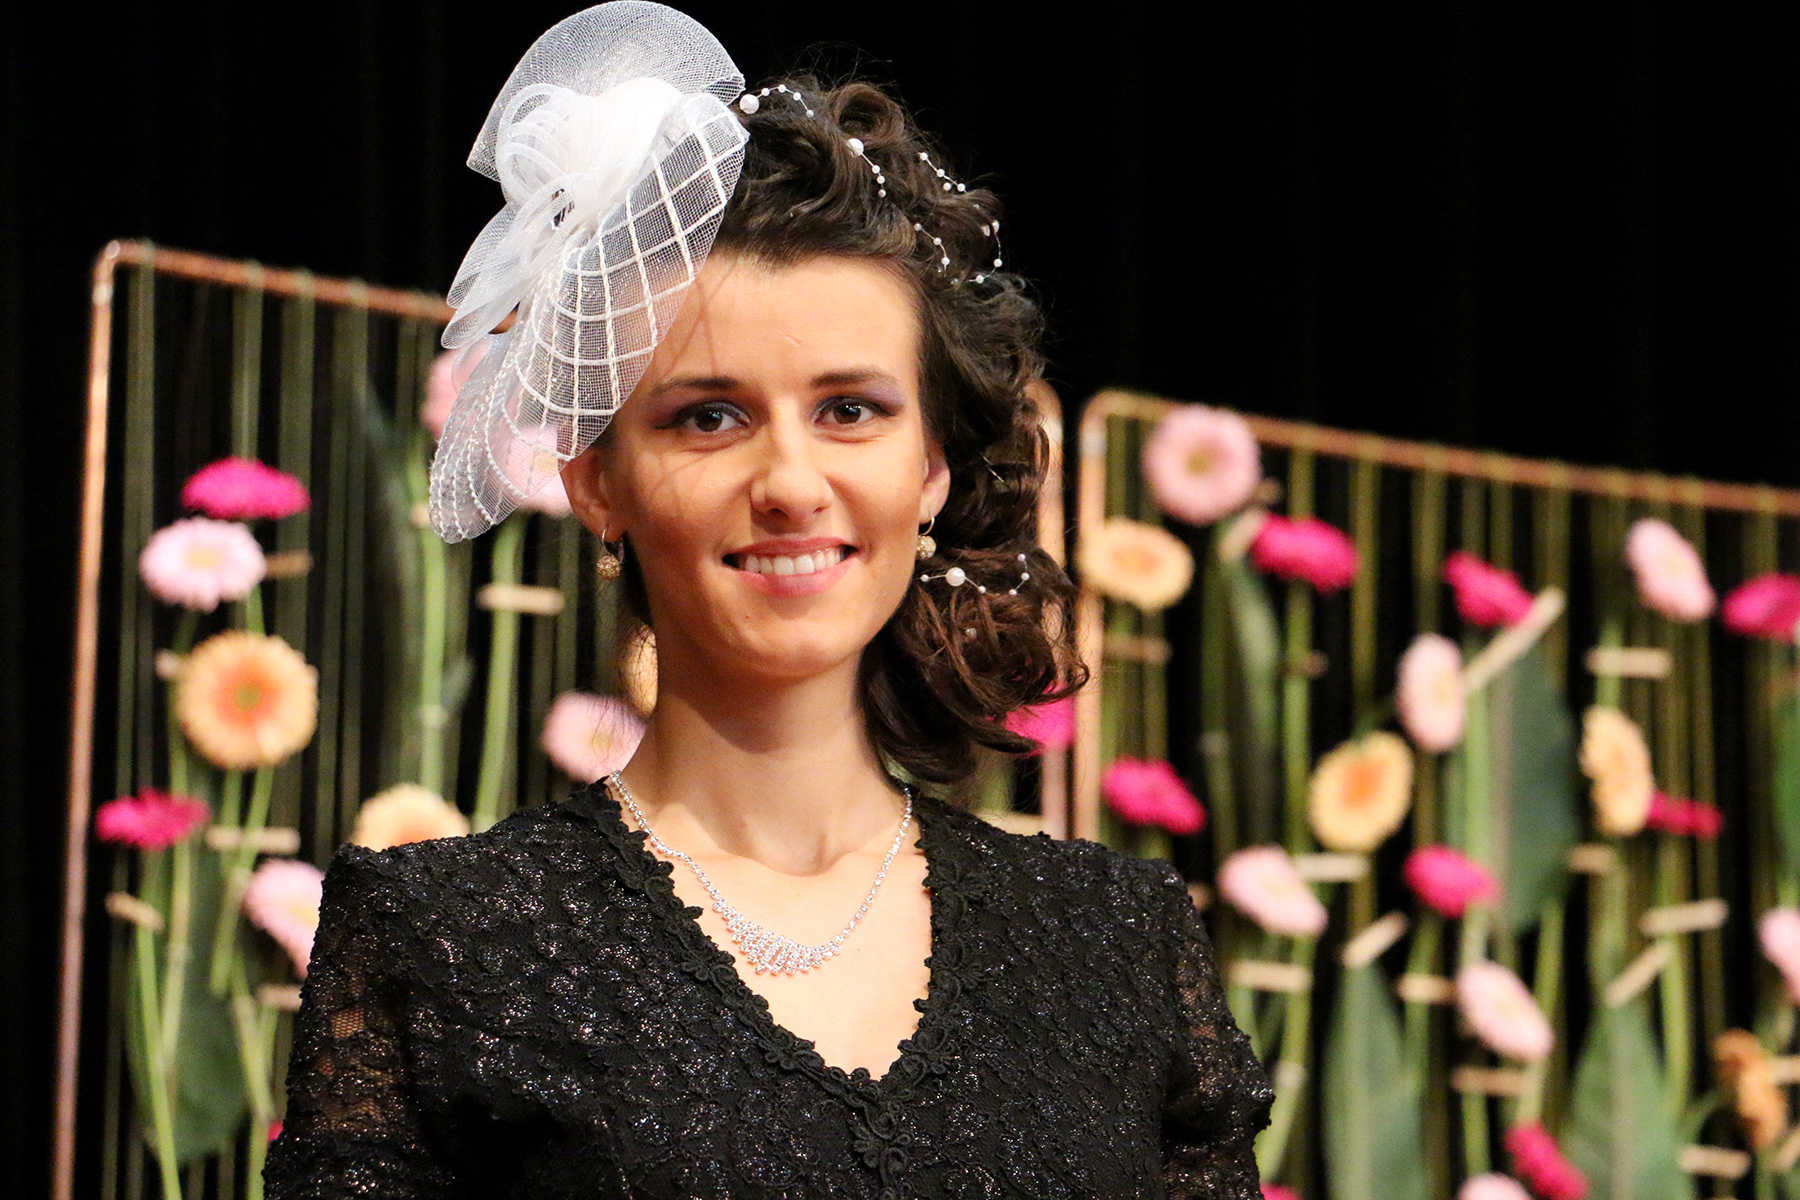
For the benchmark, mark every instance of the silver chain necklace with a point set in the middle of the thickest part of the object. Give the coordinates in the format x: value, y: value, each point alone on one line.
x: 766, y: 950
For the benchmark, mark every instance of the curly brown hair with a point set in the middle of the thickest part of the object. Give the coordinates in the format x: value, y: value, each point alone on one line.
x: 951, y: 664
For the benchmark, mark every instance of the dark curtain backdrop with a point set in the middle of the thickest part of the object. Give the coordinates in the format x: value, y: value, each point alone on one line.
x: 1574, y: 235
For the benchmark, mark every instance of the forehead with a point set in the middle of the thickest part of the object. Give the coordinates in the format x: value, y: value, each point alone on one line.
x: 765, y: 325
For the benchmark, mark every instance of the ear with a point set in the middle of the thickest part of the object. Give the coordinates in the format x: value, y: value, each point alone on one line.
x: 584, y: 479
x: 937, y: 481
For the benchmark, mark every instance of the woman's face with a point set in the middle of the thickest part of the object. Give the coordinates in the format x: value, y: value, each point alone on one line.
x: 773, y: 466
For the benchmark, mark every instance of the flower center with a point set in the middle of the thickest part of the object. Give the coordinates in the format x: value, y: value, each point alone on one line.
x: 1199, y: 461
x: 203, y: 557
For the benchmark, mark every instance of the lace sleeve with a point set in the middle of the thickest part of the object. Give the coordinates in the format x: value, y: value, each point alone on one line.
x: 1218, y: 1094
x: 352, y: 1126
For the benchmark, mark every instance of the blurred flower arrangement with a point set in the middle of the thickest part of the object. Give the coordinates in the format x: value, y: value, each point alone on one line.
x: 1452, y: 1060
x: 221, y: 913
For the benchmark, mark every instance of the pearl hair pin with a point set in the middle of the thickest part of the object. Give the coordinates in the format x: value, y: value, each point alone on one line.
x: 956, y: 577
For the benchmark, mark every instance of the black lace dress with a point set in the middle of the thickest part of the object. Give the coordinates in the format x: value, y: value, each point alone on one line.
x: 532, y: 1012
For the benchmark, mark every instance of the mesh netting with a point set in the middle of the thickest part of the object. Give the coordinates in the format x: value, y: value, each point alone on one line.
x: 617, y: 154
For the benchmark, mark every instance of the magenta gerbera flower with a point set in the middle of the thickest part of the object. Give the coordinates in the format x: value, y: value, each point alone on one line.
x: 242, y: 489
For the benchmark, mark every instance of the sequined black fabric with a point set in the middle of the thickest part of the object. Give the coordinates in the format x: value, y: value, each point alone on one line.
x: 531, y: 1012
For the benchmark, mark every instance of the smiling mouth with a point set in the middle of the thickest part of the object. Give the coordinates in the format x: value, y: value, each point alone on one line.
x: 790, y: 564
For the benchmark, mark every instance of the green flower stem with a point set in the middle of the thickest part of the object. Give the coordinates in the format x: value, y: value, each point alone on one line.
x: 237, y: 875
x: 435, y: 636
x: 1242, y: 1000
x: 253, y: 611
x: 176, y: 950
x: 254, y: 1050
x: 1296, y: 700
x: 162, y: 1123
x: 497, y: 733
x: 1677, y: 1020
x: 178, y: 753
x: 1608, y: 687
x: 1215, y: 706
x: 1547, y: 988
x: 1472, y: 947
x: 1422, y: 959
x: 1290, y: 1072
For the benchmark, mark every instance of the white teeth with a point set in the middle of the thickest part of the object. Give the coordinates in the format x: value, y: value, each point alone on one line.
x: 797, y: 564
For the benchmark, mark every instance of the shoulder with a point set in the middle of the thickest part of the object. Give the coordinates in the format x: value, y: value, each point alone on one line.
x: 1036, y: 869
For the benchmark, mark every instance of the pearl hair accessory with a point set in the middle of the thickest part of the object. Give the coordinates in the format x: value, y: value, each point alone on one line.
x: 956, y: 577
x: 750, y: 103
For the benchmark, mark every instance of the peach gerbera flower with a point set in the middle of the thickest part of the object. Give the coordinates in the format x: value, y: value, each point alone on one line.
x: 197, y: 562
x: 1360, y: 793
x: 246, y: 700
x: 282, y: 899
x: 1140, y: 564
x: 406, y: 813
x: 1502, y: 1012
x: 1261, y: 883
x: 1671, y: 579
x: 1743, y: 1068
x: 1202, y: 463
x: 591, y: 736
x: 1429, y: 693
x: 1616, y: 758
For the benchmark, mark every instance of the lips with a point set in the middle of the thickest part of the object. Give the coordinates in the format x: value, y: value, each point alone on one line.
x: 802, y: 569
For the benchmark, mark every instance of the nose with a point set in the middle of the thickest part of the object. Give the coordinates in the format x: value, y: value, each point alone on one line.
x: 789, y: 480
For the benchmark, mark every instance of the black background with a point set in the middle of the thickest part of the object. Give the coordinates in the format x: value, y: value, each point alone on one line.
x: 1573, y: 235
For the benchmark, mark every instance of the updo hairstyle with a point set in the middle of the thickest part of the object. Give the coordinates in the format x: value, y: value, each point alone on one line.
x: 952, y: 663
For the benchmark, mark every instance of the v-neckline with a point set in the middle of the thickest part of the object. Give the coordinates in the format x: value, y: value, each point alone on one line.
x: 654, y: 878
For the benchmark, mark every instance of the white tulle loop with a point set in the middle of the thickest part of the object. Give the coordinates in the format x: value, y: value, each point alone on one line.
x: 616, y: 153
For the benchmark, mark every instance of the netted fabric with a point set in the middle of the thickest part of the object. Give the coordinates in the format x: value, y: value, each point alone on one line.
x: 538, y: 1015
x: 617, y: 154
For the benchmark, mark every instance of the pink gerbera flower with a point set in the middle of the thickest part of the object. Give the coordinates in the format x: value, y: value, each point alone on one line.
x: 1261, y: 883
x: 1307, y: 550
x: 242, y: 489
x: 1150, y: 793
x: 1767, y: 606
x: 1502, y: 1012
x: 1671, y: 579
x: 1275, y: 1191
x: 197, y: 562
x: 282, y: 899
x: 1778, y: 930
x: 1202, y: 463
x: 1485, y: 595
x: 1683, y: 818
x: 1449, y: 880
x: 449, y: 371
x: 1429, y: 693
x: 1538, y: 1161
x: 150, y: 820
x: 1051, y: 726
x: 1492, y: 1186
x: 591, y: 736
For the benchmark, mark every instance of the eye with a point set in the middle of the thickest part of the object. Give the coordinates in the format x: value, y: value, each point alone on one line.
x: 846, y: 411
x: 711, y: 417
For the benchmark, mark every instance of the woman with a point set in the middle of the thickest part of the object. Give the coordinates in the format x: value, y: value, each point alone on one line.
x: 755, y: 963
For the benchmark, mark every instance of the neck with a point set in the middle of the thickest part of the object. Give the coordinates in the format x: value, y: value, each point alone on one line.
x: 779, y: 771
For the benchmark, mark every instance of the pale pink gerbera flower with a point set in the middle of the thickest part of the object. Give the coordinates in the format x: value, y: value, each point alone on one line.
x: 1485, y: 595
x: 1140, y: 564
x: 1308, y: 550
x: 282, y: 900
x: 150, y: 820
x: 1448, y: 880
x: 242, y: 489
x: 1051, y: 726
x: 406, y: 813
x: 449, y: 371
x: 1502, y: 1012
x: 1671, y: 579
x: 1261, y: 883
x: 197, y: 562
x: 1492, y: 1186
x: 1779, y: 932
x: 591, y: 736
x: 1202, y: 463
x: 534, y: 464
x: 1151, y: 793
x: 1767, y: 606
x: 1429, y: 693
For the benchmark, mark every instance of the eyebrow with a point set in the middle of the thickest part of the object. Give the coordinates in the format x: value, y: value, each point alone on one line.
x: 847, y: 377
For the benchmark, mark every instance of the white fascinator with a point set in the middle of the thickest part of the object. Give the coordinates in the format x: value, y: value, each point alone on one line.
x: 617, y: 153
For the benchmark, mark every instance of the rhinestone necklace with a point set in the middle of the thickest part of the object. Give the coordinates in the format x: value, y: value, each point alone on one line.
x: 764, y: 949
